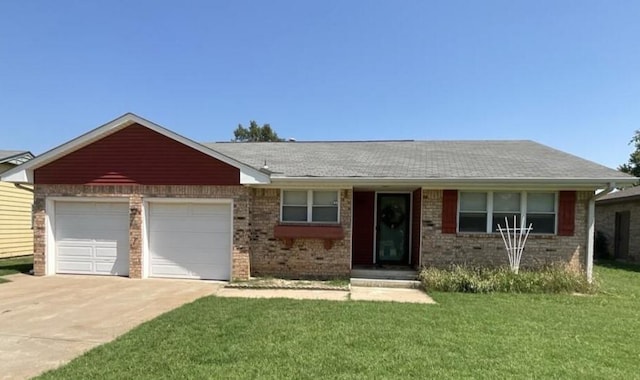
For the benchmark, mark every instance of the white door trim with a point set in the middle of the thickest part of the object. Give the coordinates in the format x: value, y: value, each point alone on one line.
x: 50, y: 224
x: 146, y: 255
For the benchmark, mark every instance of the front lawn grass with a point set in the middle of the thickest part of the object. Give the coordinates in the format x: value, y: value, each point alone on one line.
x: 479, y: 336
x: 12, y: 265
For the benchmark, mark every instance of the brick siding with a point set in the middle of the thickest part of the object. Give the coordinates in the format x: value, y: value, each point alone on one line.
x: 606, y: 224
x: 136, y: 195
x: 307, y: 258
x: 477, y: 249
x: 257, y: 252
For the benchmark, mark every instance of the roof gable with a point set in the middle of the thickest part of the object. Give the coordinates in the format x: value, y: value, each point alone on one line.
x: 25, y: 172
x: 137, y: 155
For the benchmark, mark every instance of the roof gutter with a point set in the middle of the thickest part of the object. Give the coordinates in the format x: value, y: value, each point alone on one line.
x: 591, y: 229
x: 568, y: 183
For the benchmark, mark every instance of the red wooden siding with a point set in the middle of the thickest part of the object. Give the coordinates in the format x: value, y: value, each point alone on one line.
x: 566, y: 213
x: 449, y: 211
x: 416, y: 224
x: 363, y: 222
x: 137, y: 155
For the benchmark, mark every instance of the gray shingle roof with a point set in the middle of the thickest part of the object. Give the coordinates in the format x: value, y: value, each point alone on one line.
x: 19, y: 156
x: 416, y: 159
x: 623, y: 195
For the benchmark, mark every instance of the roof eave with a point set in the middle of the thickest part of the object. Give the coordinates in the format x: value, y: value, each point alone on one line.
x: 23, y: 156
x: 565, y: 183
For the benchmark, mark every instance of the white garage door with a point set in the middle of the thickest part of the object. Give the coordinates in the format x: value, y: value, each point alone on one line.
x: 190, y: 240
x: 92, y: 238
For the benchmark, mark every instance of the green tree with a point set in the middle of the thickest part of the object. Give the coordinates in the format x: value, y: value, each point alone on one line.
x: 633, y: 166
x: 255, y: 133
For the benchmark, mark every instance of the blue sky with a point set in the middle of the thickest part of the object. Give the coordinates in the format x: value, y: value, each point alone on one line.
x: 563, y: 73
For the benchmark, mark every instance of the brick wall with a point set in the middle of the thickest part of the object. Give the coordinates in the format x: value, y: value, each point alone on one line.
x: 606, y: 223
x: 443, y: 250
x: 136, y: 195
x: 307, y: 258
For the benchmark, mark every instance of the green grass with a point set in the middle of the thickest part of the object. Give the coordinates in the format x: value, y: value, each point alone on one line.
x: 22, y: 264
x: 479, y: 336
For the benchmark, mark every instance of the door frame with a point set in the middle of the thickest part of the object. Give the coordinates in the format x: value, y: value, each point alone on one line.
x: 146, y: 231
x: 375, y: 224
x: 621, y: 238
x: 51, y: 251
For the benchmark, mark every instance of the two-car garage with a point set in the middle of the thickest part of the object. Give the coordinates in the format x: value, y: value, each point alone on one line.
x: 183, y: 239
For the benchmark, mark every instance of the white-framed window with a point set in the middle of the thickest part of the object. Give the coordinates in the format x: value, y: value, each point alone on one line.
x: 482, y: 211
x: 310, y: 206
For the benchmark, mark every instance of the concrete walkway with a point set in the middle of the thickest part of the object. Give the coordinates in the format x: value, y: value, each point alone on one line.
x: 356, y: 293
x: 47, y: 321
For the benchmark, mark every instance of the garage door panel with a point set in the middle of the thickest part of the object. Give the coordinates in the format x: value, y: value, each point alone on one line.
x: 79, y: 267
x: 201, y: 271
x: 82, y: 208
x: 190, y: 240
x: 106, y: 268
x: 71, y: 250
x: 168, y: 241
x: 91, y: 227
x: 191, y: 209
x: 92, y: 237
x: 106, y: 252
x: 217, y: 223
x: 202, y: 256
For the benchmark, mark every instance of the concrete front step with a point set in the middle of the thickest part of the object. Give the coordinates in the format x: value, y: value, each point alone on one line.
x: 385, y: 283
x: 385, y: 274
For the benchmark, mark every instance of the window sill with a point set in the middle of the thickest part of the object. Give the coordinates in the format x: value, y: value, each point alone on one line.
x: 496, y: 235
x: 288, y: 233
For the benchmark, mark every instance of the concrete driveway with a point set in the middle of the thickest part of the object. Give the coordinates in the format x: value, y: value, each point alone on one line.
x: 47, y: 321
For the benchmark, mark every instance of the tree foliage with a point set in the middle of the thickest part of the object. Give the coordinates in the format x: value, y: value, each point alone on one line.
x: 255, y: 133
x: 633, y: 166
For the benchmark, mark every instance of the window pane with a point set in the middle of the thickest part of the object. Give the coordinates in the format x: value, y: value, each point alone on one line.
x: 298, y: 198
x: 542, y: 223
x: 541, y: 202
x: 476, y: 222
x: 324, y: 214
x: 325, y: 198
x: 506, y: 202
x: 473, y: 201
x: 498, y: 218
x: 294, y: 213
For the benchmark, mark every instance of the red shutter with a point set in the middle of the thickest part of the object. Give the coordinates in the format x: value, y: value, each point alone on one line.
x: 449, y: 211
x: 566, y: 213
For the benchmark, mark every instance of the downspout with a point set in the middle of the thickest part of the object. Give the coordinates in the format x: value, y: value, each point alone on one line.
x: 591, y: 228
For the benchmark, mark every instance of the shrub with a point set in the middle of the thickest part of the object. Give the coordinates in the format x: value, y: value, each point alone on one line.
x: 551, y: 279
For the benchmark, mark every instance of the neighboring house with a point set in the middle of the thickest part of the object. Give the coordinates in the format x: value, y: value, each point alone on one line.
x: 16, y: 235
x: 133, y: 198
x: 618, y: 224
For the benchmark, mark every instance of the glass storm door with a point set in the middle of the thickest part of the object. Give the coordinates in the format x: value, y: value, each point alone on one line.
x: 392, y: 227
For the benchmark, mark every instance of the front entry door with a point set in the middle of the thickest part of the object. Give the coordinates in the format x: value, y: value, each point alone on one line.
x: 392, y: 227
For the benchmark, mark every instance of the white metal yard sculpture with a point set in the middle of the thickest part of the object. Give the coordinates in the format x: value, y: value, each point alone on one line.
x: 514, y: 242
